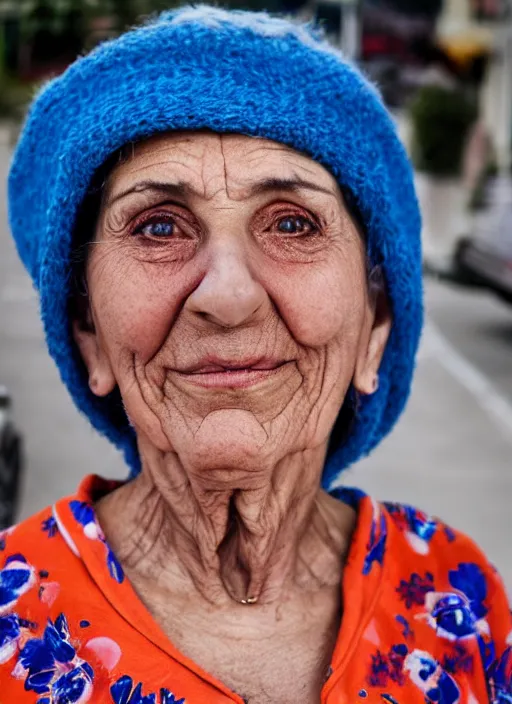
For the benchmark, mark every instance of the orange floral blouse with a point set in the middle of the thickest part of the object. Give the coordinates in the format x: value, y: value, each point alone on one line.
x: 426, y: 617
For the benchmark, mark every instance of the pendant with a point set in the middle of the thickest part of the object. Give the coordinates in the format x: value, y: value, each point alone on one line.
x: 250, y: 600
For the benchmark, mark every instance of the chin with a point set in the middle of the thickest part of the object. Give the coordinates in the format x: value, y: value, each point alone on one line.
x: 229, y: 439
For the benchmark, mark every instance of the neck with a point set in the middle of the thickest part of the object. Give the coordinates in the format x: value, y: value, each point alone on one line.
x: 229, y: 535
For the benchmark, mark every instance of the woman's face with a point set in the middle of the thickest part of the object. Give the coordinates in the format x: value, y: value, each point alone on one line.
x: 228, y: 300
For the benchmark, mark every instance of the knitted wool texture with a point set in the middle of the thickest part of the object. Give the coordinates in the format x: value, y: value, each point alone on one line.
x: 201, y: 67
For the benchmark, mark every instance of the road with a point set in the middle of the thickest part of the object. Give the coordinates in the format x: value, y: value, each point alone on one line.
x: 451, y: 453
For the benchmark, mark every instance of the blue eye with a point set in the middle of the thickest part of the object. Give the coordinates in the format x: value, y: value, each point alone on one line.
x: 157, y: 228
x: 296, y: 225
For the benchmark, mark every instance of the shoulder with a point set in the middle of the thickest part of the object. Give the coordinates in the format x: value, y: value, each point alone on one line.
x: 444, y: 573
x: 421, y: 533
x: 423, y: 539
x: 419, y: 541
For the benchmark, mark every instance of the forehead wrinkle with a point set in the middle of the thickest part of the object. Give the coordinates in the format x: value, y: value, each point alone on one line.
x: 298, y: 162
x: 192, y: 147
x: 189, y: 144
x: 247, y: 156
x: 266, y: 183
x: 288, y: 156
x: 268, y: 145
x: 167, y: 162
x: 316, y: 172
x: 233, y: 176
x: 224, y: 188
x: 149, y: 151
x: 202, y: 162
x: 194, y: 184
x: 261, y: 154
x: 234, y: 187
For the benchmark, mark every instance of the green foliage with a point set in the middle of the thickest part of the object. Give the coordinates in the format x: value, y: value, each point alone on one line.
x: 15, y: 97
x: 441, y: 119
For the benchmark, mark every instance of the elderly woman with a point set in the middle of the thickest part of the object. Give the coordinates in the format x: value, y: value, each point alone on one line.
x: 223, y: 230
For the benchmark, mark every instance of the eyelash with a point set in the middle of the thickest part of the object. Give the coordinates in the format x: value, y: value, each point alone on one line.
x: 289, y: 215
x: 153, y: 219
x: 275, y: 218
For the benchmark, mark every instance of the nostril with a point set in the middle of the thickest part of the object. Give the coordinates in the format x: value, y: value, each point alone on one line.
x: 228, y: 294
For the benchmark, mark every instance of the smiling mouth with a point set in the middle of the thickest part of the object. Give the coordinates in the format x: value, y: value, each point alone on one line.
x: 232, y: 376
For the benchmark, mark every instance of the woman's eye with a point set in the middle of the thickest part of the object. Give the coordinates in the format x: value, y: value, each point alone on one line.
x: 157, y: 228
x: 296, y: 225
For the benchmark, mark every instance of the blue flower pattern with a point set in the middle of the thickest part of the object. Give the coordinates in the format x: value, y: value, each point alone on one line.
x: 15, y: 579
x: 437, y: 686
x: 419, y: 527
x: 123, y: 692
x: 413, y: 591
x: 407, y: 631
x: 10, y: 632
x: 456, y: 616
x: 377, y: 542
x: 500, y: 679
x: 49, y: 666
x: 49, y: 526
x: 84, y: 514
x: 52, y: 669
x: 459, y: 660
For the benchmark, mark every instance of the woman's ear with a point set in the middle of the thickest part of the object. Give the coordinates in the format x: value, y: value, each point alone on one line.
x: 375, y: 336
x: 101, y: 376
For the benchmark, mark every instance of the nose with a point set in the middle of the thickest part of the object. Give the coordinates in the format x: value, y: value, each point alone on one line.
x: 228, y: 294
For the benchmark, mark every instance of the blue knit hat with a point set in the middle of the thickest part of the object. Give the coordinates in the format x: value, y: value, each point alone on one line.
x: 242, y: 72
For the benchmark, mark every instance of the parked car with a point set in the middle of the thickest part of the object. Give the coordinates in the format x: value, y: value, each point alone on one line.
x: 11, y: 461
x: 487, y: 265
x: 485, y: 259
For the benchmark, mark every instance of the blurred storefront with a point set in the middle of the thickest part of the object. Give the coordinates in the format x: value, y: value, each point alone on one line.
x: 397, y: 45
x: 478, y: 33
x: 395, y: 40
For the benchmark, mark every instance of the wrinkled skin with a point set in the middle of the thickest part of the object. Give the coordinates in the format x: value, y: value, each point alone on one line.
x: 243, y: 253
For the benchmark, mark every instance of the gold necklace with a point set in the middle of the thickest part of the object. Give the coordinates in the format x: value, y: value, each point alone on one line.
x: 250, y: 600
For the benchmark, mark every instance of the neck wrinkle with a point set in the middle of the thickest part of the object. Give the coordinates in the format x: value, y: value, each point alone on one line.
x: 246, y: 536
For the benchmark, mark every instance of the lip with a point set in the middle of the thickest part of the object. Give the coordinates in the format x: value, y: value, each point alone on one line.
x: 221, y: 374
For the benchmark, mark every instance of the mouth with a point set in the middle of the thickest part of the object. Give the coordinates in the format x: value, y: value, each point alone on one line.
x: 213, y: 373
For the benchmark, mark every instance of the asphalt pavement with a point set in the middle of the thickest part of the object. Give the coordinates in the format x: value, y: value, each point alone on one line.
x: 451, y: 453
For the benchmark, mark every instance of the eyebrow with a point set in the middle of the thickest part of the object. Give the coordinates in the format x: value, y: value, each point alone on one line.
x: 182, y: 189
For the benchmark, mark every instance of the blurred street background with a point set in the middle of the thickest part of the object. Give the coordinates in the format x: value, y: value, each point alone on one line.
x: 445, y: 71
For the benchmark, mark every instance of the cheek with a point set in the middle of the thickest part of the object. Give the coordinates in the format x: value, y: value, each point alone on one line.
x: 134, y: 305
x: 322, y: 303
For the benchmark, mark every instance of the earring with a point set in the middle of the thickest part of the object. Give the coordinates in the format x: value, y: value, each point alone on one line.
x: 93, y: 383
x: 375, y: 383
